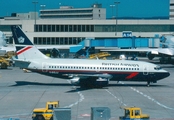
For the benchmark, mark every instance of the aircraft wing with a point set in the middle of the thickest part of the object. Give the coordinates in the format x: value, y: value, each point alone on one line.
x: 98, y: 77
x: 93, y: 75
x: 132, y: 50
x: 166, y: 51
x: 75, y: 77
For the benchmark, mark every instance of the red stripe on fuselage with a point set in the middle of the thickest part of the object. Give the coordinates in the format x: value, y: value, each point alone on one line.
x: 24, y: 49
x: 132, y: 75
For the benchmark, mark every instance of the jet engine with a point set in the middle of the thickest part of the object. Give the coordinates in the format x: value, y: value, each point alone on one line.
x: 55, y: 53
x: 150, y: 56
x: 101, y: 82
x: 90, y: 82
x: 75, y: 81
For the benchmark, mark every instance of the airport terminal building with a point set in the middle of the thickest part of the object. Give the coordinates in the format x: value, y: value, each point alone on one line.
x: 69, y: 26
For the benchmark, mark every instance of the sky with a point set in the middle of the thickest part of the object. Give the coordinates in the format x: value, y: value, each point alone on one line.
x: 126, y: 8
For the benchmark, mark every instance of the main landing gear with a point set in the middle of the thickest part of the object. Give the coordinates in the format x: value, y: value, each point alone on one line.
x: 148, y: 83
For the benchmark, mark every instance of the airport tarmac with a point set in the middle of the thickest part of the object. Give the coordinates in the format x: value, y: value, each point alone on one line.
x: 21, y: 92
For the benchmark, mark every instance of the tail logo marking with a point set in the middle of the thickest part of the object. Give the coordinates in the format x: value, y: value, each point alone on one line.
x: 23, y: 50
x: 21, y: 39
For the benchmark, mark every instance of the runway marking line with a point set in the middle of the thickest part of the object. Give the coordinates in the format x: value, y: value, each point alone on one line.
x: 116, y: 98
x: 78, y: 101
x: 150, y: 98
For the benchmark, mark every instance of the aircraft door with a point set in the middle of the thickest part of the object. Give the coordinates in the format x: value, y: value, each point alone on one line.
x: 145, y: 69
x: 44, y: 67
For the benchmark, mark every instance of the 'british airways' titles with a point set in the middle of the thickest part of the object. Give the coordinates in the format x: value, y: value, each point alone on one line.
x: 121, y: 64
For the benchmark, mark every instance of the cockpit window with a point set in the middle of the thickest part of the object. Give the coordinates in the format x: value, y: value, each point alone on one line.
x: 157, y: 68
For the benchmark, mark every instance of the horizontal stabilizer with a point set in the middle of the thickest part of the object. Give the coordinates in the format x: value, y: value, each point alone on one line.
x: 21, y: 63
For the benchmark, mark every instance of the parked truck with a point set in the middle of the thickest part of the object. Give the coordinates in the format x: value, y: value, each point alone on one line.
x: 133, y: 113
x: 45, y: 113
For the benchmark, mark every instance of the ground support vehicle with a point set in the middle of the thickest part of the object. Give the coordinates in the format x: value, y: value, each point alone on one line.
x: 45, y: 113
x: 99, y: 55
x: 133, y: 113
x: 5, y: 60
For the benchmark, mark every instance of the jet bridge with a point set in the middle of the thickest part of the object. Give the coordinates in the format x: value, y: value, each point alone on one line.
x: 123, y: 42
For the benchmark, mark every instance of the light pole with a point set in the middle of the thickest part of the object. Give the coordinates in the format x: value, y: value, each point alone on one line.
x: 112, y: 6
x: 35, y: 2
x: 42, y: 7
x: 116, y: 5
x: 42, y: 11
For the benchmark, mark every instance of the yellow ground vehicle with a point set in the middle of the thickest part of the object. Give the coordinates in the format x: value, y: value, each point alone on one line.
x: 5, y: 60
x: 45, y: 113
x: 99, y: 55
x: 133, y: 113
x: 3, y: 63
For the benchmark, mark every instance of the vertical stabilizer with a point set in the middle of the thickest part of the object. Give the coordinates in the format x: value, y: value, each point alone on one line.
x: 25, y: 50
x: 2, y: 39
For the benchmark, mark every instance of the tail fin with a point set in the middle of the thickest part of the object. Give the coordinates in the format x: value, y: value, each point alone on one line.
x: 2, y: 39
x: 25, y: 50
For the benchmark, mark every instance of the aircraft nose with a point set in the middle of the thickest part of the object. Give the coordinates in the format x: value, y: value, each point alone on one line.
x: 165, y: 74
x: 162, y: 75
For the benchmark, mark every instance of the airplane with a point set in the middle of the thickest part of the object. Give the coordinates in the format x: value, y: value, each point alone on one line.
x: 83, y: 72
x: 4, y: 48
x: 165, y: 52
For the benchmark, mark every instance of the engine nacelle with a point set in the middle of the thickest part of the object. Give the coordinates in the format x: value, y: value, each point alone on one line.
x: 150, y: 56
x: 101, y: 82
x: 55, y: 53
x: 75, y: 81
x: 90, y: 82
